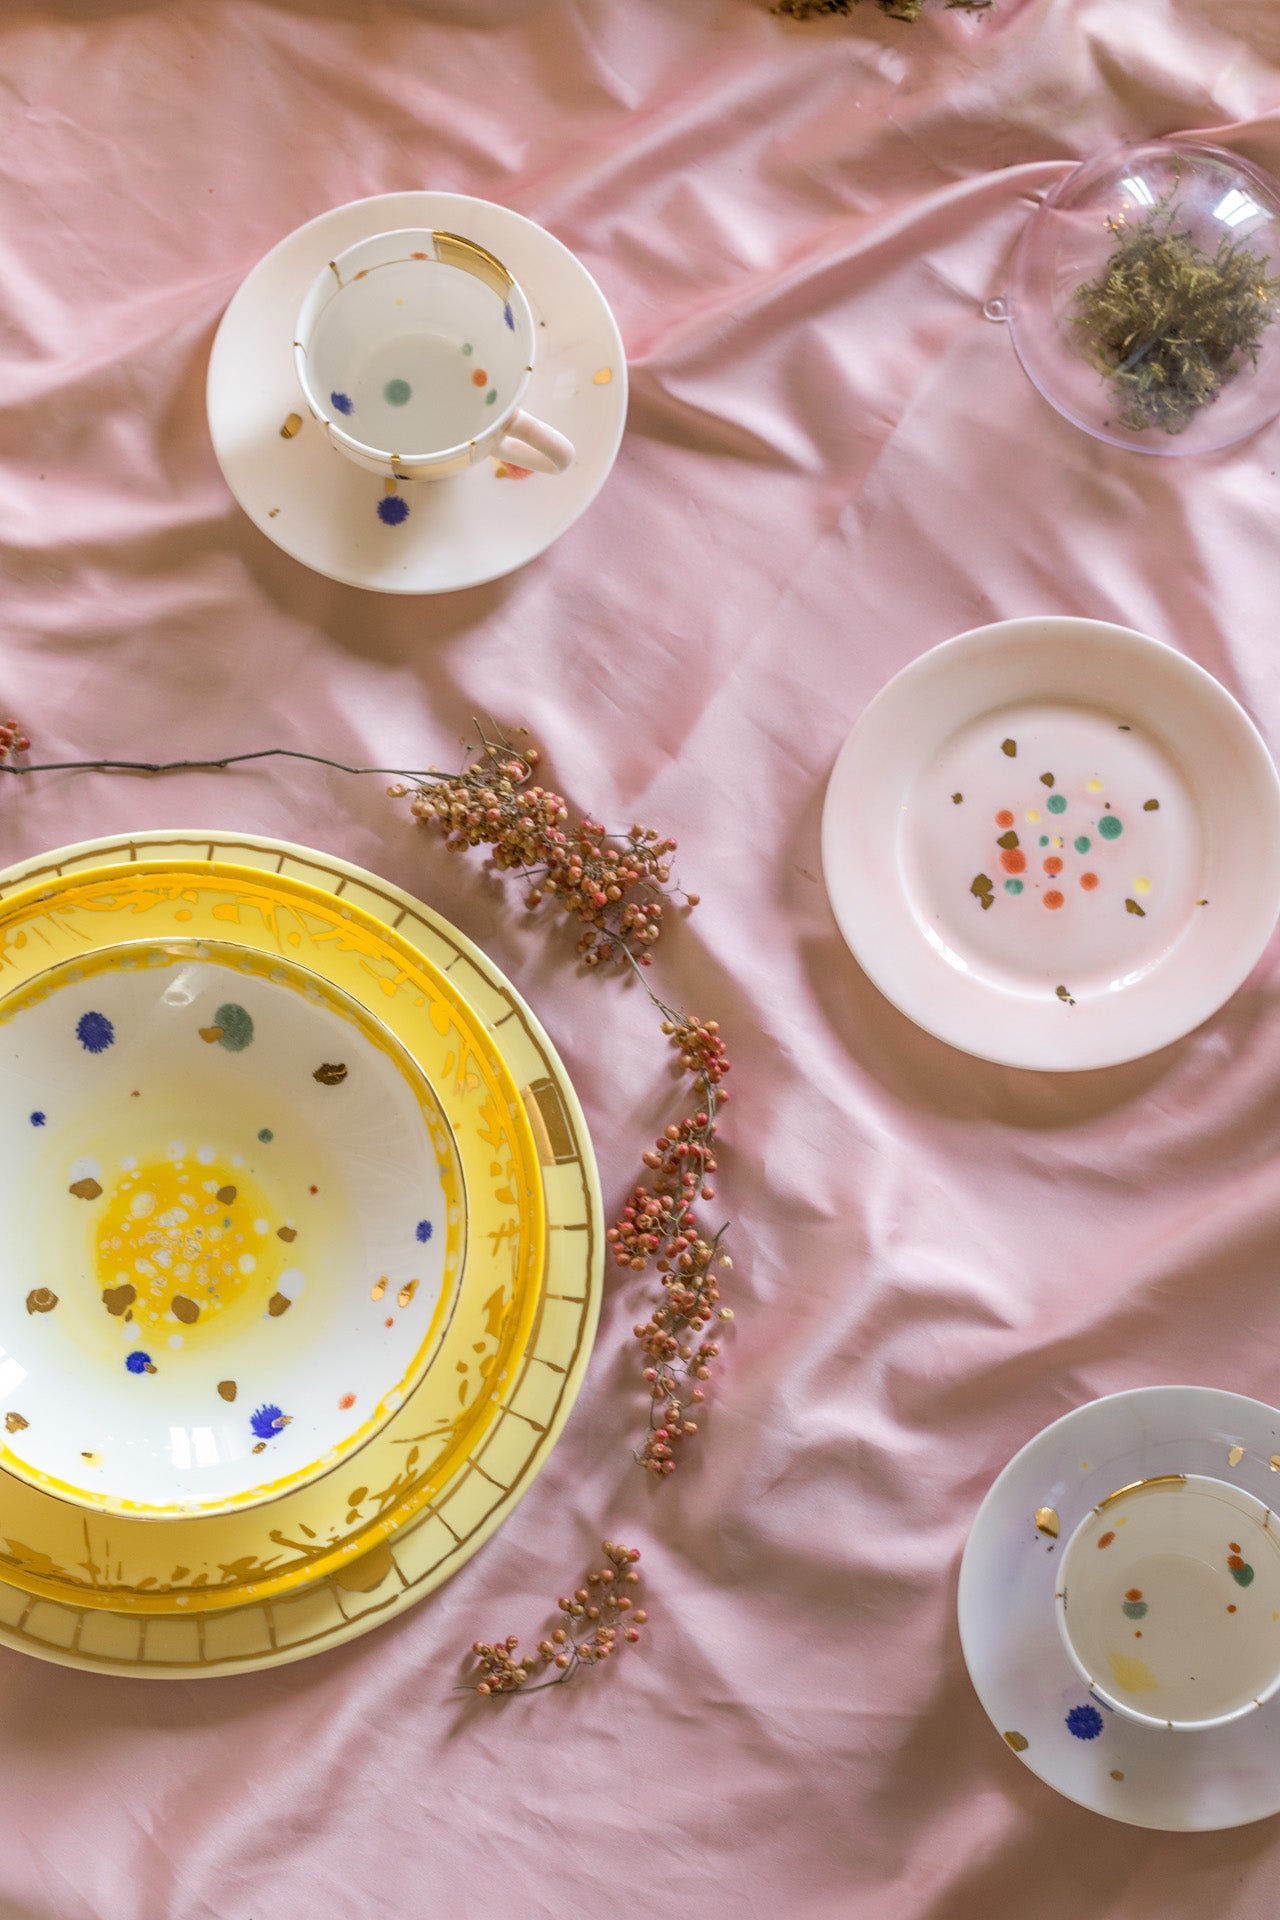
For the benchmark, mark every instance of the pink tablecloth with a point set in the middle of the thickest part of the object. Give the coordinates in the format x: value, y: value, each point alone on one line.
x: 832, y: 463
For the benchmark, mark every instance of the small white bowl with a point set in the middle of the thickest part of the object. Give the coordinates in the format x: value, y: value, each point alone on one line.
x: 1169, y: 1602
x: 233, y: 1216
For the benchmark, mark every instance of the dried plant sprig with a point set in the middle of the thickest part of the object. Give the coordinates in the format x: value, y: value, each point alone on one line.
x: 13, y: 740
x: 599, y: 1617
x: 596, y: 877
x: 1168, y: 324
x: 895, y: 9
x: 616, y: 884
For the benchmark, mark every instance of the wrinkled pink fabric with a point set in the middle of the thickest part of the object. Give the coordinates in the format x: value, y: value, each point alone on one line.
x: 832, y: 463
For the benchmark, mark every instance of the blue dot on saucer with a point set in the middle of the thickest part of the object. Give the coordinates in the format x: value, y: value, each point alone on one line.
x: 37, y: 1119
x: 94, y: 1032
x: 397, y: 393
x: 1084, y: 1722
x: 139, y: 1362
x: 423, y: 1230
x: 508, y: 316
x: 342, y: 402
x: 392, y: 510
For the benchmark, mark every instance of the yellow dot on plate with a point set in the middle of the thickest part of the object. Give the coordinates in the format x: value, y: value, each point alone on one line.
x: 1084, y: 1466
x: 1033, y: 814
x: 1094, y: 786
x: 602, y: 377
x: 388, y: 486
x: 1057, y: 839
x: 1142, y: 884
x: 1116, y: 1774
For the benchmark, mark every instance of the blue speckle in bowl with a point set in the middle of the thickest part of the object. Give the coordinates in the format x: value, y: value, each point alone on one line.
x: 138, y: 1361
x: 95, y: 1032
x: 392, y: 510
x: 423, y: 1230
x: 267, y: 1422
x: 342, y: 402
x: 509, y: 317
x: 37, y: 1119
x: 1084, y: 1722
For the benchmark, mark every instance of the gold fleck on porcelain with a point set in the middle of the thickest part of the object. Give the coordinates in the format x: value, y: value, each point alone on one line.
x: 1235, y: 1456
x: 602, y: 377
x: 1142, y: 1486
x: 287, y: 431
x: 1047, y: 1522
x: 260, y: 1588
x: 1018, y: 1741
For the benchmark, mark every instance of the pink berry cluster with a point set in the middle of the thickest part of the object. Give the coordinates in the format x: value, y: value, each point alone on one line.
x: 657, y: 1224
x: 615, y: 884
x: 12, y: 740
x: 594, y: 1617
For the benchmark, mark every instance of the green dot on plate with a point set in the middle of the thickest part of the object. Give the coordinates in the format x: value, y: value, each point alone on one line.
x: 396, y: 392
x: 1044, y: 839
x: 468, y: 348
x: 1083, y: 843
x: 236, y: 1026
x: 1013, y: 886
x: 1109, y: 827
x: 265, y: 1135
x: 1057, y: 803
x: 491, y: 396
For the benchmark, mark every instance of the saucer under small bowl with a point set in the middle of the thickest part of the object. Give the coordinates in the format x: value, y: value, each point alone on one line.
x: 1125, y: 377
x: 418, y: 536
x: 1079, y: 1470
x: 233, y: 1219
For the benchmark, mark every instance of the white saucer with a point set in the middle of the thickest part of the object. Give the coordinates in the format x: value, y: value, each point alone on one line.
x: 459, y: 532
x: 1054, y: 843
x: 1177, y: 1782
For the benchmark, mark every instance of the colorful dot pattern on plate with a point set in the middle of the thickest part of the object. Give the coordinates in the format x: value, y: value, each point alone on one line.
x: 1053, y: 848
x: 227, y: 1144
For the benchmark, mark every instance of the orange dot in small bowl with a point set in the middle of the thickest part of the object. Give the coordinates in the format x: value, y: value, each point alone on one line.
x: 1053, y: 864
x: 1053, y: 899
x: 1004, y: 818
x: 1013, y: 860
x: 1088, y: 881
x: 479, y: 378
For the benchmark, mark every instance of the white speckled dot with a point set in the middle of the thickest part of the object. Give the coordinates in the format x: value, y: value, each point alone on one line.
x: 204, y: 1155
x: 291, y: 1282
x: 129, y: 1162
x: 261, y: 1226
x: 131, y: 1330
x: 86, y: 1168
x: 176, y: 1149
x: 175, y: 1339
x: 246, y: 1263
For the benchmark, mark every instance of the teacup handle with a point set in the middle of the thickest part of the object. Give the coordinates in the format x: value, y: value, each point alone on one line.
x: 529, y: 442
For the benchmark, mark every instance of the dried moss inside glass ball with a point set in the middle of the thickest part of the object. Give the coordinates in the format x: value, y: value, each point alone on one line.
x: 1169, y: 323
x: 1142, y: 297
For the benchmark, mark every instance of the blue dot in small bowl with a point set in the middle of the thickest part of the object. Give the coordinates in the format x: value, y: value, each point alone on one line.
x: 37, y: 1119
x: 423, y: 1231
x: 392, y: 510
x: 138, y: 1361
x: 95, y: 1032
x: 342, y: 402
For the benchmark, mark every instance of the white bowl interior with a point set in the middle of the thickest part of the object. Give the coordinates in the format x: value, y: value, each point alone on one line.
x: 1169, y: 1601
x: 232, y: 1208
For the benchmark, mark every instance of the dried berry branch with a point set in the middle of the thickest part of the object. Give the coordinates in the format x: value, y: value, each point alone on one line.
x: 617, y: 885
x: 593, y: 1617
x: 13, y: 741
x: 895, y: 9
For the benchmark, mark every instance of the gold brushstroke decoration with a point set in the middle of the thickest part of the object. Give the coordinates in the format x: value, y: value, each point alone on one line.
x: 1018, y: 1741
x: 366, y: 1573
x: 14, y: 1423
x: 602, y: 377
x: 85, y: 1189
x: 209, y: 1034
x: 379, y: 1288
x: 1047, y: 1522
x: 227, y: 1389
x: 331, y: 1074
x: 1235, y: 1456
x: 278, y: 1303
x: 286, y: 1233
x: 226, y: 1195
x: 1142, y: 1486
x: 185, y: 1310
x: 287, y: 431
x: 453, y: 251
x: 41, y: 1300
x: 407, y: 1292
x: 117, y: 1299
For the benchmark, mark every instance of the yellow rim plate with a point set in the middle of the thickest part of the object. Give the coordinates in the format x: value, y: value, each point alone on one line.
x: 315, y: 1585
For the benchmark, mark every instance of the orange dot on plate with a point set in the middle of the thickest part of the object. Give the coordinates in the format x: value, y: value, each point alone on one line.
x: 1106, y: 1539
x: 388, y: 1323
x: 1053, y: 899
x: 1088, y: 881
x: 1134, y: 1593
x: 479, y: 378
x: 1230, y: 1609
x: 1233, y: 1546
x: 1053, y: 864
x: 1004, y: 818
x: 1013, y: 860
x: 1235, y: 1563
x: 347, y: 1400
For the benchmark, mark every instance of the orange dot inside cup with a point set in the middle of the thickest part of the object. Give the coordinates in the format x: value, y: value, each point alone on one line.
x: 1053, y: 864
x: 1088, y: 881
x: 1053, y: 899
x: 479, y: 378
x: 1004, y: 818
x: 1013, y: 860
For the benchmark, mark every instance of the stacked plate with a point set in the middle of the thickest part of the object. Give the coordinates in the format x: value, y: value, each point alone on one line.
x: 304, y: 1253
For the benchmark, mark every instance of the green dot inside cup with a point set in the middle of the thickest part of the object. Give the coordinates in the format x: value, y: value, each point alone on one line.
x: 1083, y: 843
x: 1109, y: 827
x: 491, y: 396
x: 1057, y: 803
x: 397, y: 392
x: 468, y: 348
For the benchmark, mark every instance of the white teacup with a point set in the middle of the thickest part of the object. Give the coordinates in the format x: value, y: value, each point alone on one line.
x: 1169, y: 1602
x: 414, y: 351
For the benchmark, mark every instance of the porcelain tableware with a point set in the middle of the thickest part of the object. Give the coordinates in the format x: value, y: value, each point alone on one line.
x: 414, y: 351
